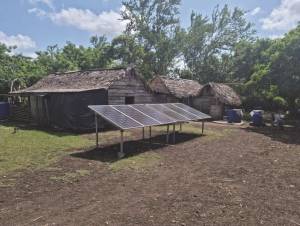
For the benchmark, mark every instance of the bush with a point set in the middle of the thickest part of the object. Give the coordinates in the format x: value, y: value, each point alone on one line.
x: 280, y: 103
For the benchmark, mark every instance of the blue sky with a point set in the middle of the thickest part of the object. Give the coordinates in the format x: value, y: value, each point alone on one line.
x: 34, y: 24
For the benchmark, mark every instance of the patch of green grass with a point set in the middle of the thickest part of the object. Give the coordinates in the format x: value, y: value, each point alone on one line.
x: 70, y: 177
x: 195, y: 128
x: 109, y: 137
x: 137, y: 162
x: 34, y: 149
x: 216, y: 134
x: 4, y: 183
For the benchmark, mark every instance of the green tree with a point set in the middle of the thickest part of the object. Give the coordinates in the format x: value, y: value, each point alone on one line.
x: 154, y: 25
x: 210, y: 43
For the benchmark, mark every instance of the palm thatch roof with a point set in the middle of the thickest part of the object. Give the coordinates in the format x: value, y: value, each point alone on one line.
x: 180, y: 88
x: 77, y: 81
x: 223, y: 93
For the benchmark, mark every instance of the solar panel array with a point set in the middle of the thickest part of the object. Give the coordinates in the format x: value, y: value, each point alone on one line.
x: 142, y: 115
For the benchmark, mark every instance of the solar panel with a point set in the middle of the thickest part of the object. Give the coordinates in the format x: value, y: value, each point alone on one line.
x: 192, y: 110
x: 169, y: 112
x: 183, y: 112
x: 115, y: 117
x: 137, y: 115
x: 142, y: 115
x: 159, y: 116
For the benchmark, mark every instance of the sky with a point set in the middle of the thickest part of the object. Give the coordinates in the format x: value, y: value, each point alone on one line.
x: 32, y: 25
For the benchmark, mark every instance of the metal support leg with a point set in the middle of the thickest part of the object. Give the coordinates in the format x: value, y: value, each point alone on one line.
x: 96, y: 124
x: 150, y: 134
x: 168, y: 134
x: 143, y: 133
x: 121, y: 153
x: 180, y: 127
x: 202, y: 127
x: 174, y: 133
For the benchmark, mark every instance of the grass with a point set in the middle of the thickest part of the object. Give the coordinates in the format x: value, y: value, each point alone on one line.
x: 70, y: 177
x: 34, y: 149
x: 109, y: 137
x: 195, y: 128
x: 137, y: 162
x: 150, y: 159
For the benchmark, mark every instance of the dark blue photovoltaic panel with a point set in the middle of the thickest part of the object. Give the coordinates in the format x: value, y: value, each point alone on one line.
x: 192, y: 110
x: 137, y: 115
x: 161, y: 117
x: 115, y: 117
x: 182, y: 112
x: 161, y: 108
x: 142, y: 115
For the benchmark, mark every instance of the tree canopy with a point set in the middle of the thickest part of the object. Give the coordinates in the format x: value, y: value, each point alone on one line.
x: 222, y: 47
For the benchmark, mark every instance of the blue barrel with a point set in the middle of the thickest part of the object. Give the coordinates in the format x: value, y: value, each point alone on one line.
x: 4, y: 110
x: 234, y: 116
x: 257, y: 119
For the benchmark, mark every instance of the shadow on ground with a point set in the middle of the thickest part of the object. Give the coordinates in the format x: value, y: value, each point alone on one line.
x: 290, y: 135
x: 109, y: 153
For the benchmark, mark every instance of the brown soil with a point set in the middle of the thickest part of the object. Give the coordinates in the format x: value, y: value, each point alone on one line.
x: 250, y: 176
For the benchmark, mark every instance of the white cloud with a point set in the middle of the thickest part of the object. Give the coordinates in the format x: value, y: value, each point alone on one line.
x: 37, y: 11
x: 24, y: 44
x: 48, y: 3
x: 21, y: 41
x: 106, y: 22
x: 284, y: 17
x: 255, y: 11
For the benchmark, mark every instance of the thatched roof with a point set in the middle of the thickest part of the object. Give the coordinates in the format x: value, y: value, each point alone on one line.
x: 224, y: 93
x: 77, y: 81
x: 180, y: 88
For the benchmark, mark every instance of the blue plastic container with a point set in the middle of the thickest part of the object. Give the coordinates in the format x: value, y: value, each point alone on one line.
x: 234, y: 116
x: 4, y: 110
x: 257, y: 119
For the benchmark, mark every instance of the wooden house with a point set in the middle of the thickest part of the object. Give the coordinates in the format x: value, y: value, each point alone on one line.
x: 61, y: 100
x: 215, y: 98
x: 174, y: 90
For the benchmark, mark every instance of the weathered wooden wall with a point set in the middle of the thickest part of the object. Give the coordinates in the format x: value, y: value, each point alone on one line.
x: 209, y: 104
x: 20, y: 113
x: 39, y: 110
x: 130, y: 86
x: 165, y: 98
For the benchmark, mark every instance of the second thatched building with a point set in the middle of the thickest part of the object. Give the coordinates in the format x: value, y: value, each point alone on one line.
x: 215, y: 98
x: 174, y: 90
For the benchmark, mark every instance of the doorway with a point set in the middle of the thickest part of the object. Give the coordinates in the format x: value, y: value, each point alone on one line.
x: 129, y: 100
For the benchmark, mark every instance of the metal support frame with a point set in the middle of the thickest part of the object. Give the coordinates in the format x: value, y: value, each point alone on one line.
x: 121, y: 153
x: 168, y: 128
x: 180, y: 127
x: 202, y: 127
x: 174, y: 134
x: 150, y: 134
x: 143, y: 133
x: 97, y: 137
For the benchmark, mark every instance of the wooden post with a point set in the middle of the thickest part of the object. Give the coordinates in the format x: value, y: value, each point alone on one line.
x: 174, y: 133
x: 96, y: 124
x: 121, y: 153
x: 167, y: 134
x: 202, y: 127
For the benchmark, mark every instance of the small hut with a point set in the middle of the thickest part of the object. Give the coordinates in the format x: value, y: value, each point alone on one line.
x: 174, y: 90
x: 61, y: 100
x: 215, y: 98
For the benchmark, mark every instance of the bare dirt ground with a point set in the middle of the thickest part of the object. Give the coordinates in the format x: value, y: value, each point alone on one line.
x: 246, y: 176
